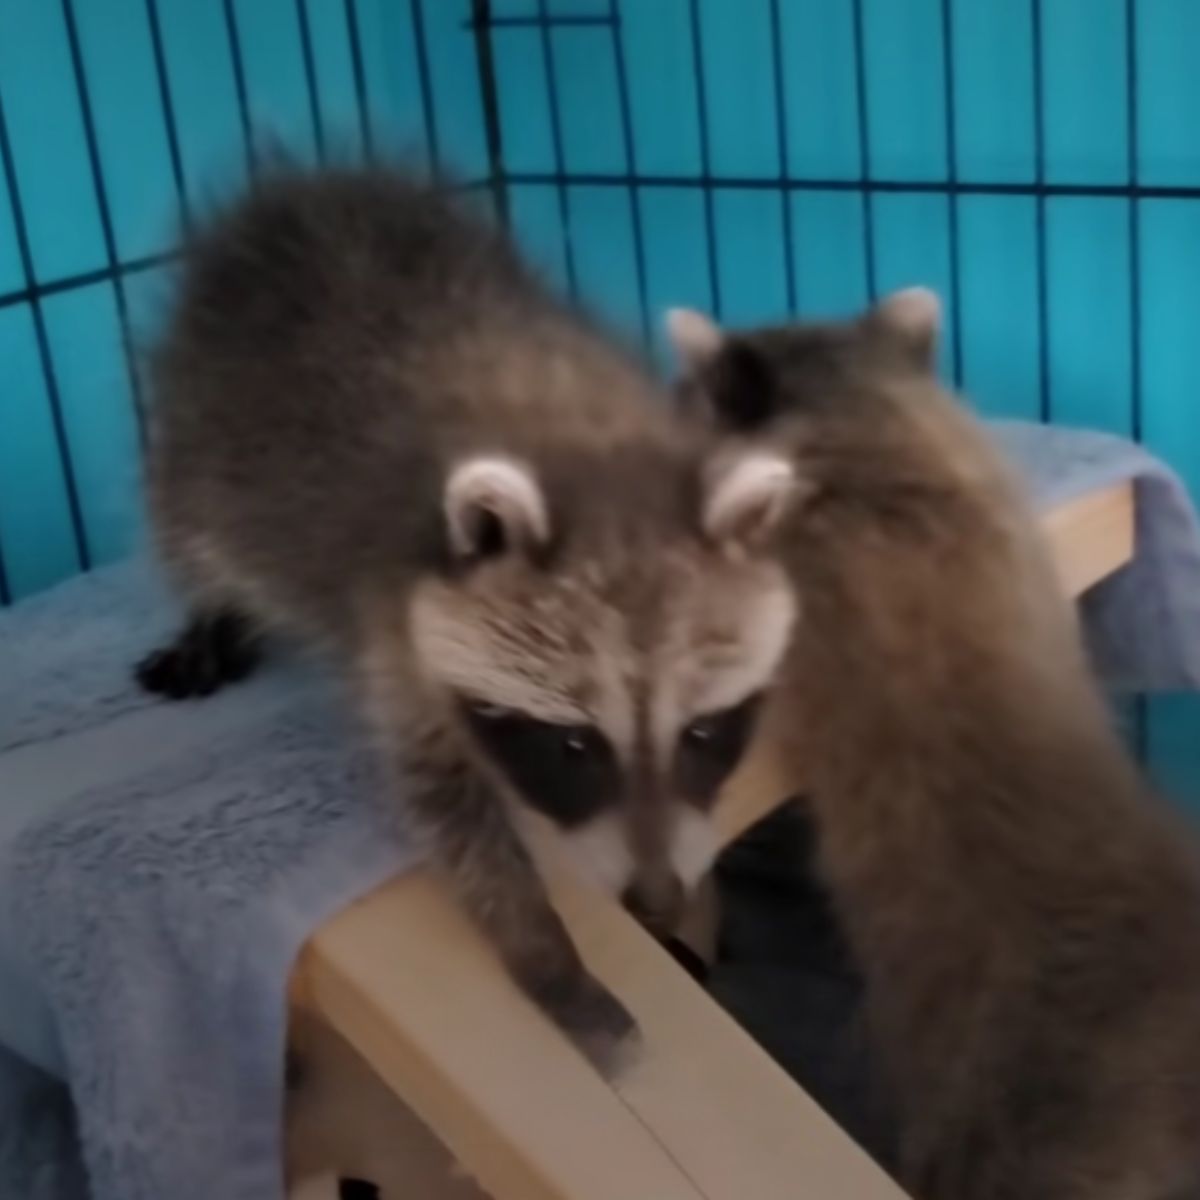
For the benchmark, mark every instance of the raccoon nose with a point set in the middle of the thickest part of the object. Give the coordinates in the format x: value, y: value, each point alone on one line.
x: 656, y: 901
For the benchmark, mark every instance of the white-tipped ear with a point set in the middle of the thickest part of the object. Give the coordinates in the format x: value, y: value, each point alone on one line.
x: 493, y: 505
x: 915, y: 312
x: 696, y: 339
x: 747, y: 497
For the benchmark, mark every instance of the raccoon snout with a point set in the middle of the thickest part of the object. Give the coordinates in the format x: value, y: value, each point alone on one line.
x: 656, y: 901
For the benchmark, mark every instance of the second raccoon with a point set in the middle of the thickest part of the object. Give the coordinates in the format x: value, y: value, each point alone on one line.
x: 1024, y: 911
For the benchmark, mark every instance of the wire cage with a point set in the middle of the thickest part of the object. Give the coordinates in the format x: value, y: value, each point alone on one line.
x: 1036, y: 161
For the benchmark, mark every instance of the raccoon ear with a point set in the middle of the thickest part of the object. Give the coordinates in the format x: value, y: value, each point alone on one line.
x: 493, y: 505
x: 746, y: 498
x: 695, y: 338
x: 726, y: 374
x: 915, y: 315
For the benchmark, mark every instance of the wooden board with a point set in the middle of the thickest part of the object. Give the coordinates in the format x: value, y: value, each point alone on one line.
x: 1092, y: 536
x: 700, y: 1112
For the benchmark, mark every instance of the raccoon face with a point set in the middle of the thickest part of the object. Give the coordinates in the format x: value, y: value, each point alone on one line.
x: 615, y: 689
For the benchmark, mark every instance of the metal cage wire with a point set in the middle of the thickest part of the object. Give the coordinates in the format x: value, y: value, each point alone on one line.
x: 116, y: 269
x: 486, y: 80
x: 866, y: 185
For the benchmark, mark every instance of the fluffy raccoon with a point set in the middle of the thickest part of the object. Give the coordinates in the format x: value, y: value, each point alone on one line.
x: 375, y: 432
x: 1025, y: 913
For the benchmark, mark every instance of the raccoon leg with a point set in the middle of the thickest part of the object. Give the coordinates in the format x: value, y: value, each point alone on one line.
x: 215, y: 647
x: 497, y: 882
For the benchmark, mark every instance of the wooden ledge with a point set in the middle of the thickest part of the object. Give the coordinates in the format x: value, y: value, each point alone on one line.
x: 700, y: 1113
x: 1092, y: 535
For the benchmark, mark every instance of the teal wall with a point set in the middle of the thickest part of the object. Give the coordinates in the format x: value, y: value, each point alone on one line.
x: 1038, y: 163
x: 68, y: 425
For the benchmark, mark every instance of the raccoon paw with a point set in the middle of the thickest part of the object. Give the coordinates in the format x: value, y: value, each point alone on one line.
x: 212, y: 650
x: 599, y: 1025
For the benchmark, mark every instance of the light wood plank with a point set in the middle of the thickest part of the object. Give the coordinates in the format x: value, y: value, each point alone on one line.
x: 1092, y: 536
x: 700, y: 1111
x: 343, y: 1121
x: 409, y: 983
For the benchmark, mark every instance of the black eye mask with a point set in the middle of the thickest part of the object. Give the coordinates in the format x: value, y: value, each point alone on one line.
x: 568, y: 773
x: 710, y: 747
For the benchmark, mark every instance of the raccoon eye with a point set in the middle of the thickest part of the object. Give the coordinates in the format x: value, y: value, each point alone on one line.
x: 567, y: 772
x: 710, y: 747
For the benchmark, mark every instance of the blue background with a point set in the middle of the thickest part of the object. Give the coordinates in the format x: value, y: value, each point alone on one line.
x: 1038, y: 163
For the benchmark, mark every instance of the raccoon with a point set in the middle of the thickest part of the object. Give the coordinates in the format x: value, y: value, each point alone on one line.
x: 1026, y: 914
x: 376, y: 433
